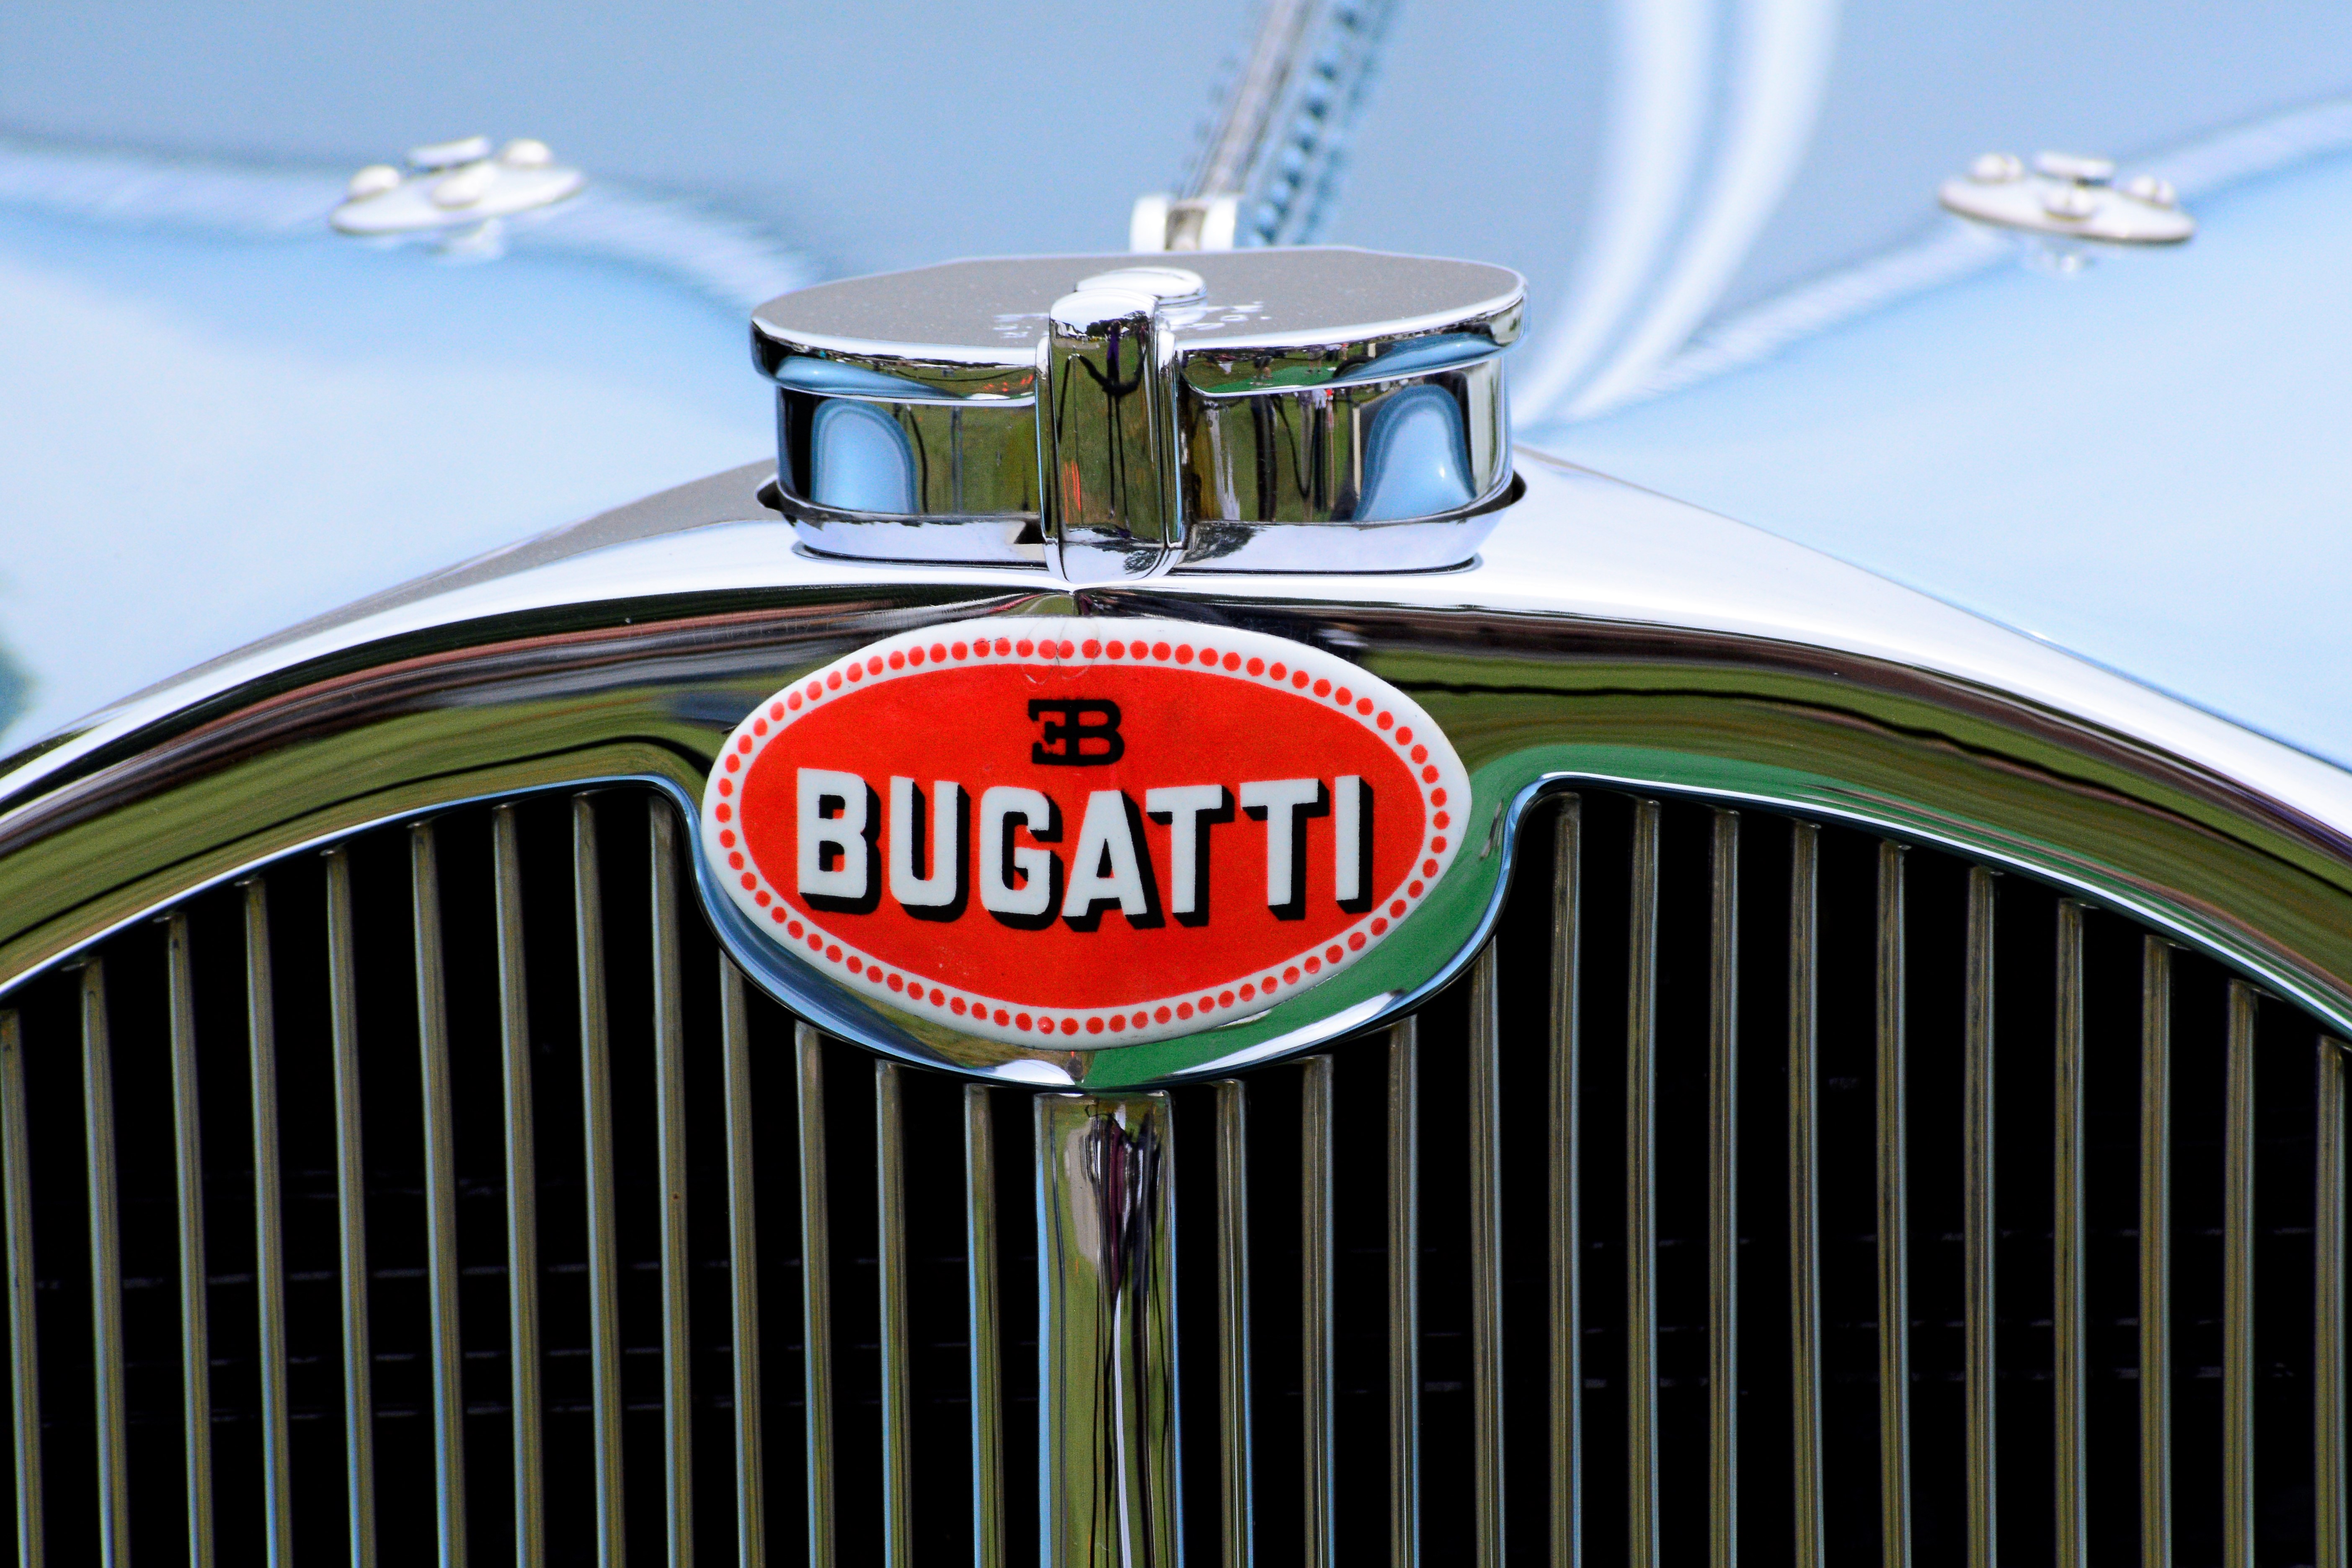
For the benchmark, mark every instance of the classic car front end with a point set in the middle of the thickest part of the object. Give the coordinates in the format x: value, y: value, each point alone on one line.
x: 1154, y: 947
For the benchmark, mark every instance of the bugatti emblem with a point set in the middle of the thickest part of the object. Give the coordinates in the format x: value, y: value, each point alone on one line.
x: 1087, y: 831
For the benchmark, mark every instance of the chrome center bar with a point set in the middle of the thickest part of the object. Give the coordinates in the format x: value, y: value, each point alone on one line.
x: 1106, y: 1331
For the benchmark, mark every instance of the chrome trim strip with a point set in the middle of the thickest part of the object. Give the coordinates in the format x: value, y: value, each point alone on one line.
x: 111, y: 1400
x: 987, y: 1350
x: 1723, y: 1197
x: 1237, y: 1511
x: 440, y: 1202
x: 1641, y: 1197
x: 898, y: 1521
x: 528, y: 671
x: 669, y: 1157
x: 2156, y: 1253
x: 1404, y: 1294
x: 522, y: 1169
x: 1106, y: 1332
x: 1567, y: 1190
x: 1487, y: 1260
x: 1319, y: 1401
x: 188, y: 1194
x: 2328, y: 1407
x: 1805, y: 1189
x: 24, y: 1340
x: 350, y: 1213
x: 1980, y: 1222
x: 1894, y: 1222
x: 596, y: 1129
x: 2071, y: 1521
x: 817, y: 1295
x: 742, y: 1269
x: 269, y: 1231
x: 2237, y: 1285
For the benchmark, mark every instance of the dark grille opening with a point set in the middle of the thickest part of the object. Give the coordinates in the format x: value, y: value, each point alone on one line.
x: 2283, y: 1519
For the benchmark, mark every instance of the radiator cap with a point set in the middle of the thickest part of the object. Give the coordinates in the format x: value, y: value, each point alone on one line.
x: 1308, y: 408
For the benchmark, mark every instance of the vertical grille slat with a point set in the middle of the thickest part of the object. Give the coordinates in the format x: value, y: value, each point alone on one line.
x: 984, y: 1353
x: 669, y: 1137
x: 1404, y: 1295
x: 1981, y: 1226
x: 113, y: 1419
x: 1641, y: 1196
x: 744, y: 1270
x: 2238, y: 1287
x: 1893, y: 1237
x: 195, y: 1338
x: 1723, y: 1196
x: 816, y: 1296
x: 24, y: 1341
x: 351, y: 1215
x: 596, y: 1181
x: 2155, y: 1368
x: 1234, y: 1323
x: 1565, y: 1189
x: 891, y: 1242
x: 1843, y: 1172
x: 1805, y: 1195
x: 2067, y: 1307
x: 444, y: 1333
x: 519, y: 1167
x: 1319, y: 1391
x: 1487, y: 1260
x: 268, y: 1230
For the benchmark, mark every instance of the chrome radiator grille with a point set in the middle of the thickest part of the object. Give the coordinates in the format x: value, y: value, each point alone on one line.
x: 1582, y: 1264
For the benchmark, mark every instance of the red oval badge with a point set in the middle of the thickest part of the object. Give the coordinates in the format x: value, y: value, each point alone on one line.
x: 1099, y: 831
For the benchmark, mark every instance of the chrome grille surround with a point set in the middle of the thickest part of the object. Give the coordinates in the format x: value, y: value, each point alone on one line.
x: 1673, y: 679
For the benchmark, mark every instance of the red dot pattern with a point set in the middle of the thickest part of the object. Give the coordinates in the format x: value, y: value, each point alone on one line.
x: 908, y: 653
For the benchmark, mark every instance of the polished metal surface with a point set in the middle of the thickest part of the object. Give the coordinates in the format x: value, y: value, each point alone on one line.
x: 669, y: 1157
x: 890, y: 1253
x: 596, y: 1142
x: 2329, y: 1411
x: 987, y: 1348
x: 1487, y: 1260
x: 1566, y: 1189
x: 23, y: 1337
x: 524, y: 673
x: 1404, y: 1293
x: 816, y: 1296
x: 1722, y: 1195
x: 1236, y: 1509
x: 2238, y: 1368
x: 351, y: 1214
x: 2156, y: 1253
x: 522, y: 1171
x: 268, y: 1233
x: 1894, y: 1221
x: 188, y: 1159
x: 1268, y: 410
x: 2067, y: 1286
x: 1641, y: 1477
x: 743, y: 1270
x: 440, y: 1200
x: 1318, y: 1389
x: 1106, y: 1331
x: 107, y: 1364
x: 1805, y: 1193
x: 1980, y: 1222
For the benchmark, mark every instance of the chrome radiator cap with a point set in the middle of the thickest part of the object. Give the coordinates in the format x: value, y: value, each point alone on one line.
x: 1316, y: 409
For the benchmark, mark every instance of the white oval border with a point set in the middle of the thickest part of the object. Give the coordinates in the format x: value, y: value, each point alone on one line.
x: 1444, y: 783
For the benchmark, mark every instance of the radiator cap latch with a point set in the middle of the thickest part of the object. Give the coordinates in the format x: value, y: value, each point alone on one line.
x: 1316, y: 410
